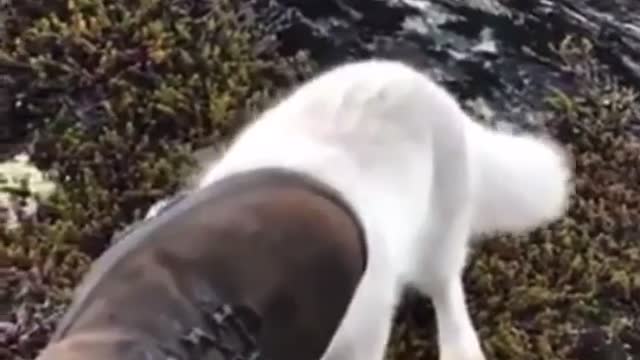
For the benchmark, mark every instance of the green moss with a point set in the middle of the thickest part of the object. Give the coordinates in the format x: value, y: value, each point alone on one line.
x: 572, y: 289
x: 117, y: 95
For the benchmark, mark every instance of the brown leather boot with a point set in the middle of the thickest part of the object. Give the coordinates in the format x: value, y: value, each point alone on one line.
x: 260, y: 265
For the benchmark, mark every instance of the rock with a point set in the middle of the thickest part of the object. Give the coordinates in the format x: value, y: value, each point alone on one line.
x: 478, y: 48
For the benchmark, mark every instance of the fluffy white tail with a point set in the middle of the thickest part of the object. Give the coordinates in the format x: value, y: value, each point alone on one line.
x: 522, y: 181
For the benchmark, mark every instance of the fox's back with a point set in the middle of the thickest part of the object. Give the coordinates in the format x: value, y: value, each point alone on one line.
x: 367, y: 129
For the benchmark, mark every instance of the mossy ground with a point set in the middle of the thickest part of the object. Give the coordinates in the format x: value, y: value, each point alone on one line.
x: 572, y: 289
x: 116, y: 96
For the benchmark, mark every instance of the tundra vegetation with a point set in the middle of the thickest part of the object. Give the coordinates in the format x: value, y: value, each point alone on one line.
x: 109, y: 99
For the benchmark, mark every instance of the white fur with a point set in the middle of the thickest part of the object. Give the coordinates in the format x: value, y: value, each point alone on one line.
x: 422, y: 176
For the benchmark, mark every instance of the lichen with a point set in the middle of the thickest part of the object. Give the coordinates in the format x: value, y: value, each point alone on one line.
x: 22, y: 185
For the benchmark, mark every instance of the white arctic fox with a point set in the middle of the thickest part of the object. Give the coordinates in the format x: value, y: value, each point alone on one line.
x: 423, y: 178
